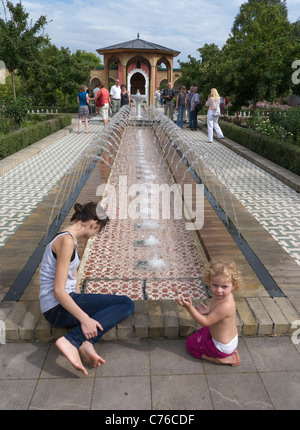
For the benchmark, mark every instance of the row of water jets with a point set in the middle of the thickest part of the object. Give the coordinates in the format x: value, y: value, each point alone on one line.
x: 105, y: 144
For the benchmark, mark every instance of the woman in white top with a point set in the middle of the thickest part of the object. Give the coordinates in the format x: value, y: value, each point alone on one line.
x: 90, y: 315
x: 213, y: 104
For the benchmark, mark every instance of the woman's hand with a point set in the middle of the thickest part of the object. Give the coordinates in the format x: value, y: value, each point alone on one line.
x: 89, y: 328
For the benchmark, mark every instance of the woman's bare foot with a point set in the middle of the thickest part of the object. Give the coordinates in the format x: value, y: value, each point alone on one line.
x: 89, y: 355
x: 71, y: 353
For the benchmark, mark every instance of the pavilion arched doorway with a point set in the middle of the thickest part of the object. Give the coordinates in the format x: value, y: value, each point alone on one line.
x: 138, y: 82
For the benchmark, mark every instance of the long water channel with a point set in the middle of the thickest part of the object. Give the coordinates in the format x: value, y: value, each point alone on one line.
x: 140, y: 254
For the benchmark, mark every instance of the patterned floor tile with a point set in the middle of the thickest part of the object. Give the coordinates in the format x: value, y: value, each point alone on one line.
x: 275, y: 205
x: 26, y: 185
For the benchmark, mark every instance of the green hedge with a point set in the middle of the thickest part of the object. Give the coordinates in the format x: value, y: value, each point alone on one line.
x: 20, y: 139
x: 285, y: 155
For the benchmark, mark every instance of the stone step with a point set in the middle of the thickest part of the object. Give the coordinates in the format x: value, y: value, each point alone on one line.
x: 256, y: 316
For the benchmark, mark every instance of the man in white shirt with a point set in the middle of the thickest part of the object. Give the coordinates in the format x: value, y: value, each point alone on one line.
x: 115, y: 95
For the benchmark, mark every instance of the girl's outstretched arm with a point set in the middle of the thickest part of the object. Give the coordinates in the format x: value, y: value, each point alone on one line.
x: 212, y: 318
x: 200, y: 319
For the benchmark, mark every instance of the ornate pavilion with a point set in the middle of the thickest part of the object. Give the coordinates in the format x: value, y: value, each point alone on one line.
x: 137, y: 63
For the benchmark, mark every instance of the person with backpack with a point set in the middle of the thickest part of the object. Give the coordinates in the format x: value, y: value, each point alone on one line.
x: 168, y: 95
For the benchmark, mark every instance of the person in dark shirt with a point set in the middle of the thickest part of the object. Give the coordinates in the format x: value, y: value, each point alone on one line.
x: 168, y: 95
x: 125, y: 97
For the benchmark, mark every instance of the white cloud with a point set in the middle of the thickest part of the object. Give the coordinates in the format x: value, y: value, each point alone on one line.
x: 184, y: 26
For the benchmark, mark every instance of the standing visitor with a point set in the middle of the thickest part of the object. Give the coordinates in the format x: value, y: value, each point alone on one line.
x: 125, y: 97
x: 223, y: 103
x: 213, y: 104
x: 157, y: 97
x: 115, y: 95
x: 167, y: 95
x: 181, y: 106
x: 89, y: 315
x: 95, y: 92
x: 103, y: 102
x: 195, y: 102
x: 83, y: 112
x: 188, y: 104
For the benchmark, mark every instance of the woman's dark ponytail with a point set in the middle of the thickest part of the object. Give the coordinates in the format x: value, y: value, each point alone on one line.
x: 89, y: 212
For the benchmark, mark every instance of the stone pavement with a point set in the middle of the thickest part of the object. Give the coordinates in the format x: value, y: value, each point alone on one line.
x: 155, y: 374
x: 147, y: 373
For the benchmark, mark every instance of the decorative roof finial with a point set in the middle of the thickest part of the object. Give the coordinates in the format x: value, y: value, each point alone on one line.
x: 138, y: 35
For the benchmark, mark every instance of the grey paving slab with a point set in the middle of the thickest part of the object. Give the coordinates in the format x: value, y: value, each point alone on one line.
x: 283, y: 389
x: 180, y: 392
x: 122, y: 393
x: 16, y: 394
x: 273, y: 354
x: 169, y: 358
x: 62, y: 394
x: 22, y: 360
x: 124, y: 358
x: 243, y: 391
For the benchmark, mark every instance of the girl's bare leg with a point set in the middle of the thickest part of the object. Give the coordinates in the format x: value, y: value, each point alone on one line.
x: 79, y: 125
x: 71, y: 353
x: 89, y: 355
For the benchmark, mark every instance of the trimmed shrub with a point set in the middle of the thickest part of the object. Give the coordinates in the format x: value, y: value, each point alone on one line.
x: 20, y: 139
x: 284, y: 154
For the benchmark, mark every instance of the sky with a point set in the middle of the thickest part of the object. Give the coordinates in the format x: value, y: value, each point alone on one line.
x: 183, y: 26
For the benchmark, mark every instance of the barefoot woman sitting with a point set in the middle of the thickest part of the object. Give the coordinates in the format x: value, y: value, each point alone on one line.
x: 92, y: 315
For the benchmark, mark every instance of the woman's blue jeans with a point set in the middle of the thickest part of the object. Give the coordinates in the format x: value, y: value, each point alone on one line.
x: 107, y: 309
x: 181, y: 110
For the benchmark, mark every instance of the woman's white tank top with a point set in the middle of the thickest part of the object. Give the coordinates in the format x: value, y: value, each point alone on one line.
x: 47, y: 275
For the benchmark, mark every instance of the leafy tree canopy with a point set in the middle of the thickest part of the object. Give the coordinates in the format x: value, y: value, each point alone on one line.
x: 20, y: 40
x: 256, y: 60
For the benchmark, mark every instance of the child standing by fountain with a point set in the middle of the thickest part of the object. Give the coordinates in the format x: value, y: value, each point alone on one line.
x: 90, y: 315
x: 217, y: 340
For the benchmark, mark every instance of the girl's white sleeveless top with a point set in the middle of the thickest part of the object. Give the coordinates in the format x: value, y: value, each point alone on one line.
x: 47, y: 275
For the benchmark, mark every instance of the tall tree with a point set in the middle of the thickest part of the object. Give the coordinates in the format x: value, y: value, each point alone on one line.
x: 256, y: 55
x: 60, y: 69
x: 205, y: 73
x: 19, y: 39
x: 244, y: 18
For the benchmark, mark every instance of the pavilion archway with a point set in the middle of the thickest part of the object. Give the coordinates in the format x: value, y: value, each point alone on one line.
x: 138, y: 79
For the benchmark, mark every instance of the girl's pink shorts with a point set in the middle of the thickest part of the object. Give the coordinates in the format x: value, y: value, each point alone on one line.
x: 201, y: 343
